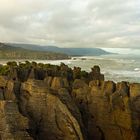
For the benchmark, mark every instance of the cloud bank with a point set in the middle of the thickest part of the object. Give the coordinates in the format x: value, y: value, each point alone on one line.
x: 67, y: 23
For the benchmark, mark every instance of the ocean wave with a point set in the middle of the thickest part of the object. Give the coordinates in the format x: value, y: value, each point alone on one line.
x: 137, y: 69
x: 104, y: 58
x: 123, y: 73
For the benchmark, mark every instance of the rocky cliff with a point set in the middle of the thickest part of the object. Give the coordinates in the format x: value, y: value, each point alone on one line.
x: 48, y: 102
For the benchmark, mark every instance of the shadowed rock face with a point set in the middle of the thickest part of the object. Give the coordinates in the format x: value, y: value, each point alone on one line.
x: 51, y: 117
x: 95, y: 74
x: 59, y: 104
x: 114, y: 111
x: 13, y: 125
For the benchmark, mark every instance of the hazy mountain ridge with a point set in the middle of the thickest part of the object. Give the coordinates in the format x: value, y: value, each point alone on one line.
x: 14, y: 52
x: 68, y: 51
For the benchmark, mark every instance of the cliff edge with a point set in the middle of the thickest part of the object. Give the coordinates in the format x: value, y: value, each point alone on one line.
x: 49, y: 102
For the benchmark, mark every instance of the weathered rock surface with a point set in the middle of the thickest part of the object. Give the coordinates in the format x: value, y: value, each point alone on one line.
x: 81, y: 95
x: 3, y: 81
x: 50, y: 114
x: 59, y: 82
x: 13, y: 125
x: 46, y: 102
x: 95, y: 74
x: 113, y: 108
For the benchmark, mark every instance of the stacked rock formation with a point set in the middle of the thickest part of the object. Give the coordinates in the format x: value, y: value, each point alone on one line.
x: 48, y: 102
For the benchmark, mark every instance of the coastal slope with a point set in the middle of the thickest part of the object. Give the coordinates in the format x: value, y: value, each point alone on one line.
x: 11, y: 52
x: 81, y: 51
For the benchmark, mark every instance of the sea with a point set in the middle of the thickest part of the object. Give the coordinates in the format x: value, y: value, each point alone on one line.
x: 117, y: 67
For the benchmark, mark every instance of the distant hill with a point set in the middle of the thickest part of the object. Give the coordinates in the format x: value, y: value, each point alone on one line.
x: 68, y: 51
x: 13, y: 52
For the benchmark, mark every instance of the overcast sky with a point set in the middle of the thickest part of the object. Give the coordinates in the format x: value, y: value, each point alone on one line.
x: 71, y: 23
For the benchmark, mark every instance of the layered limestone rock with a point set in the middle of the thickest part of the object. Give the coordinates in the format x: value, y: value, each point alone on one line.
x: 45, y: 102
x: 112, y: 113
x: 6, y: 88
x: 49, y: 113
x: 13, y: 125
x: 135, y: 108
x: 48, y: 81
x: 95, y: 74
x: 111, y: 108
x: 3, y: 81
x: 59, y: 82
x: 81, y: 95
x: 9, y: 91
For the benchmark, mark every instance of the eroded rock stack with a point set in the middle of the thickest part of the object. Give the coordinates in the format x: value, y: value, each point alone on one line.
x: 59, y: 103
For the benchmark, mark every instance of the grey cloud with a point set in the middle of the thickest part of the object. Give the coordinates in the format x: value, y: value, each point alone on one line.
x: 79, y: 23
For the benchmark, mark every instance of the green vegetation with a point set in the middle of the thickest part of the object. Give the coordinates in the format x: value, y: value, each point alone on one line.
x: 69, y: 51
x: 4, y: 70
x: 23, y: 70
x: 8, y: 52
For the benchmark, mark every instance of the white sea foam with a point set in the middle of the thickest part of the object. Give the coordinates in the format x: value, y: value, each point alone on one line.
x: 137, y: 69
x: 115, y: 67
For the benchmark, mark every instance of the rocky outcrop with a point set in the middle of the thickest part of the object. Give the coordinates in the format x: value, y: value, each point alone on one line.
x: 111, y: 112
x: 111, y: 108
x: 13, y: 125
x: 59, y: 82
x: 81, y: 95
x: 95, y: 74
x: 50, y: 114
x: 6, y: 89
x: 46, y: 102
